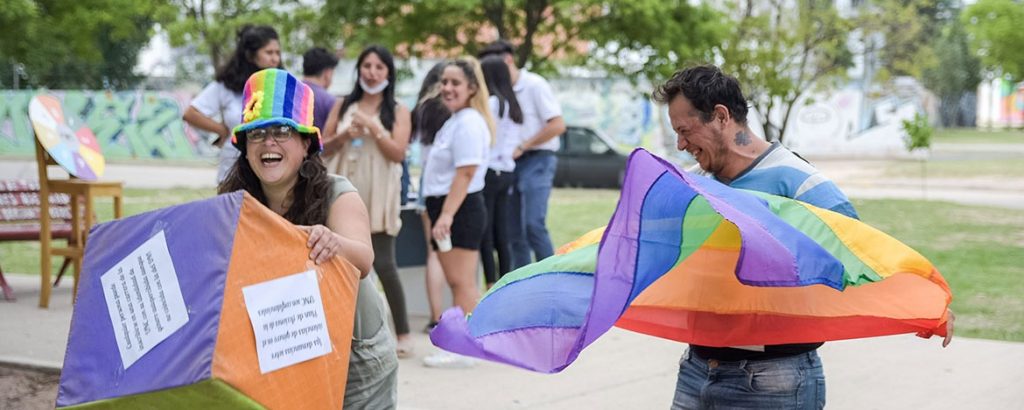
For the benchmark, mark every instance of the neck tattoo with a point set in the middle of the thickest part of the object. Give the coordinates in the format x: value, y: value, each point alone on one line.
x: 742, y: 138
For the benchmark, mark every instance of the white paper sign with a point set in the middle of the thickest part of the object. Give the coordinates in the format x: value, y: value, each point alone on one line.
x: 287, y: 317
x: 144, y: 299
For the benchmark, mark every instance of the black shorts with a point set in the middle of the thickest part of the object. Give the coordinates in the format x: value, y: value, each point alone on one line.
x: 468, y: 223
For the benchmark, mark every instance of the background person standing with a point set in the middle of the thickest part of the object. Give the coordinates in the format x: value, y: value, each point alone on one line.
x: 453, y: 178
x: 428, y: 117
x: 535, y: 158
x: 500, y: 169
x: 218, y: 108
x: 318, y: 73
x: 367, y: 136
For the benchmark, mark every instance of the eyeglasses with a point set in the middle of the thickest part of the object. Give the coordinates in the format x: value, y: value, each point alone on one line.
x: 280, y: 134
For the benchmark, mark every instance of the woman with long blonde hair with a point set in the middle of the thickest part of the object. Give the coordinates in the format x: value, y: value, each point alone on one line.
x: 453, y: 181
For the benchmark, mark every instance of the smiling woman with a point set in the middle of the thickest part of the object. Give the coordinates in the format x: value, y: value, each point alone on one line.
x: 280, y: 166
x: 367, y: 134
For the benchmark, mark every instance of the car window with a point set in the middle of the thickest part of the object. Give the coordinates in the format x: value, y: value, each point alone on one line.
x: 584, y: 141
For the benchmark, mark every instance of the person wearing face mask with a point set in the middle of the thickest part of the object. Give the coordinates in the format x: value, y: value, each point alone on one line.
x: 218, y: 108
x: 367, y: 134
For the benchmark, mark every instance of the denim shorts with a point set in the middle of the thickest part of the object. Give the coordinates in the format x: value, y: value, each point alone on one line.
x: 794, y: 382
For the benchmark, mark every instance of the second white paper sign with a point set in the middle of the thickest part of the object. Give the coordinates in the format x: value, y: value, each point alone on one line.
x: 287, y: 317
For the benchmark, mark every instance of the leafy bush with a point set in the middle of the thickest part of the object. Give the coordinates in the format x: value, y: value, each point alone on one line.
x: 919, y: 133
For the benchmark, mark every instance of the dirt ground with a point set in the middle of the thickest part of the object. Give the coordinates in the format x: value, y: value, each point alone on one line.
x: 27, y: 389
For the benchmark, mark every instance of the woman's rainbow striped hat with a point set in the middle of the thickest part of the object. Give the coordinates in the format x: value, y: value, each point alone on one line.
x: 275, y: 97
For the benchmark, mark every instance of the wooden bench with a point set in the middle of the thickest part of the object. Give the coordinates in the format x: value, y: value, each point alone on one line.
x: 19, y: 219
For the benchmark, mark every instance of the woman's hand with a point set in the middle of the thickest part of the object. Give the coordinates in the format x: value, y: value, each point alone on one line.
x: 364, y: 125
x: 442, y: 227
x: 324, y: 244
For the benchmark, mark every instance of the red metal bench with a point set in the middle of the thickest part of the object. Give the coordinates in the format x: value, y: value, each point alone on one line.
x: 19, y: 219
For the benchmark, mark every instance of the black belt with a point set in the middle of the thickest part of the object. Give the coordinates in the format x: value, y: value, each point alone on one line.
x: 534, y: 152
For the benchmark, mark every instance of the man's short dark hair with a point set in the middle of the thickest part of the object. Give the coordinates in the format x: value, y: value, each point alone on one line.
x: 316, y: 60
x: 705, y: 86
x: 497, y: 48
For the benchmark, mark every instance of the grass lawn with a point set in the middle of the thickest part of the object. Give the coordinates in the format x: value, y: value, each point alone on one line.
x: 979, y: 250
x: 23, y: 256
x: 973, y: 135
x: 1010, y: 167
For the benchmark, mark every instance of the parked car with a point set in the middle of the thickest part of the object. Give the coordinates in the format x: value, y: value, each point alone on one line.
x: 589, y: 159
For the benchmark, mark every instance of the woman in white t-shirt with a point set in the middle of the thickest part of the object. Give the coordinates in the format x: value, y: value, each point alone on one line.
x: 453, y: 178
x: 218, y: 108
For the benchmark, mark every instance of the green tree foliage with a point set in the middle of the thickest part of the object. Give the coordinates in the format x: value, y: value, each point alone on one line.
x: 75, y: 44
x: 995, y: 29
x: 779, y: 54
x: 654, y: 36
x: 211, y: 25
x: 906, y: 30
x: 956, y: 72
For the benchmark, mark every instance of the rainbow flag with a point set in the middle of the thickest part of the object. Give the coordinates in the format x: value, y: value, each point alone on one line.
x: 209, y: 304
x: 689, y: 259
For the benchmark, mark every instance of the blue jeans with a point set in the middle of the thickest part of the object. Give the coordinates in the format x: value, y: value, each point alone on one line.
x: 535, y: 173
x: 794, y: 382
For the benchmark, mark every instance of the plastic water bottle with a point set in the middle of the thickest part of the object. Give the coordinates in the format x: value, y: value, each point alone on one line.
x: 355, y: 149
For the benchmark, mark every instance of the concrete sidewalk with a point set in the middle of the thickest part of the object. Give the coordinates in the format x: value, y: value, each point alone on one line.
x: 154, y: 174
x: 624, y: 370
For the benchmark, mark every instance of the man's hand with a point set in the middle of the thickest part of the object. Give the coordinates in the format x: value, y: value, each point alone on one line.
x: 518, y: 152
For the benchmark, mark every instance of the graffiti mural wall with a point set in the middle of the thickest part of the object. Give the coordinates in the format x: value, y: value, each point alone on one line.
x: 1001, y: 104
x: 127, y: 124
x: 619, y: 109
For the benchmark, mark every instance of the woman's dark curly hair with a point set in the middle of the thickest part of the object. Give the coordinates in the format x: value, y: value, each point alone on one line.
x: 249, y: 40
x: 387, y: 107
x: 310, y: 195
x: 430, y: 113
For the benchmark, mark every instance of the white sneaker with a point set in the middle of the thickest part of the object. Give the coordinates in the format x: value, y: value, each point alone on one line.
x: 448, y: 360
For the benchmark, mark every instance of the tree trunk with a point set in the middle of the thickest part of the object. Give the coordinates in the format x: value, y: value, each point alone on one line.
x: 769, y: 126
x: 785, y: 118
x: 534, y: 14
x: 216, y: 57
x: 495, y: 12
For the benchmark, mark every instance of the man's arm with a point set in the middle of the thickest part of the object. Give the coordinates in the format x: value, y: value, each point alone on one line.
x: 547, y: 108
x: 553, y: 128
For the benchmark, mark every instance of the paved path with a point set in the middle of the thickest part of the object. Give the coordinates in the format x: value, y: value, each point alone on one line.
x: 625, y: 370
x: 859, y: 178
x: 155, y: 175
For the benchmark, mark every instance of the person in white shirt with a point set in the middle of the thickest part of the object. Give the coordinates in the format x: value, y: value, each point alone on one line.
x: 535, y: 158
x: 453, y: 178
x: 218, y: 108
x: 498, y: 183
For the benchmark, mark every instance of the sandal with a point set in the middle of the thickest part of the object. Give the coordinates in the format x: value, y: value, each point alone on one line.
x: 430, y: 327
